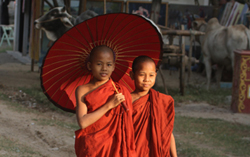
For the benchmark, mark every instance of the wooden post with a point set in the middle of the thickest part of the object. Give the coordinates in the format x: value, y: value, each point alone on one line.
x: 182, y: 33
x: 163, y: 80
x: 18, y: 7
x: 67, y: 4
x: 104, y: 7
x: 55, y: 3
x: 34, y: 44
x: 25, y: 27
x: 82, y: 6
x: 190, y: 56
x: 182, y: 69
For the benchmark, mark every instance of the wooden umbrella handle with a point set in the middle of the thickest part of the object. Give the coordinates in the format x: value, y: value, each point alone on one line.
x: 124, y: 105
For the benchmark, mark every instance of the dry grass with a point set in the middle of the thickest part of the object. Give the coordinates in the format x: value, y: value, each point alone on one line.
x: 196, y: 137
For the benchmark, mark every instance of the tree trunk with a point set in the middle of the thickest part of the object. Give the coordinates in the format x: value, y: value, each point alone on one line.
x: 155, y: 10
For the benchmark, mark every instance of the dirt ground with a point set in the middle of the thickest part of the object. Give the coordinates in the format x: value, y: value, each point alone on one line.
x: 54, y: 140
x: 25, y: 128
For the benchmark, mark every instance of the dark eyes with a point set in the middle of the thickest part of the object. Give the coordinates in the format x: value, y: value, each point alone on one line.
x: 144, y: 75
x: 107, y: 64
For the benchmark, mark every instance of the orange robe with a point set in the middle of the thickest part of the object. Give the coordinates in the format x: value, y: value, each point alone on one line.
x: 112, y: 135
x: 153, y: 118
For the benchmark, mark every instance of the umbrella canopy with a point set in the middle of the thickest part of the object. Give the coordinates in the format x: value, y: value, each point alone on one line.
x: 64, y: 67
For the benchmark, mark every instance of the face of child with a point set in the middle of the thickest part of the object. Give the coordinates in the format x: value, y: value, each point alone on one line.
x: 102, y: 64
x: 144, y: 76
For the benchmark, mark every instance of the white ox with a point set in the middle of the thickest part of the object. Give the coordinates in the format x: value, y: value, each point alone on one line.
x: 57, y: 21
x: 219, y: 43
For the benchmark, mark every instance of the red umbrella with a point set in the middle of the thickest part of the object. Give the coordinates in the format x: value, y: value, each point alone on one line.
x: 64, y: 67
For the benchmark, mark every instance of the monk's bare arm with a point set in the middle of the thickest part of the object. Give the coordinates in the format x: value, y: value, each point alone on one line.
x: 173, y: 151
x: 83, y: 117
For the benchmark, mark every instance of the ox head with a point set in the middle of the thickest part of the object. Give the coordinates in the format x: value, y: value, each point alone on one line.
x: 55, y: 22
x: 199, y: 24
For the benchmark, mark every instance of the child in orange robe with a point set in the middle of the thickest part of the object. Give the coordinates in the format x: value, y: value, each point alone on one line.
x: 106, y: 128
x: 153, y: 113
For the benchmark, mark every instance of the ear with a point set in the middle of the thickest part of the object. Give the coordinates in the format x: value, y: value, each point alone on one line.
x: 89, y: 66
x: 194, y: 24
x: 193, y: 17
x: 63, y: 9
x: 113, y: 67
x: 131, y: 75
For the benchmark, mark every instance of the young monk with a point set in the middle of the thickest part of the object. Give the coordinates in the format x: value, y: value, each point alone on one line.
x: 153, y: 114
x: 106, y: 128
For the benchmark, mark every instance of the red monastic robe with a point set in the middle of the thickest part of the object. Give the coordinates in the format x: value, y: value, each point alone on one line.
x: 112, y: 135
x: 153, y: 118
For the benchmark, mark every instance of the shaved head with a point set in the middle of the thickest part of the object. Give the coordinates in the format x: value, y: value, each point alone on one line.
x: 100, y: 49
x: 140, y: 59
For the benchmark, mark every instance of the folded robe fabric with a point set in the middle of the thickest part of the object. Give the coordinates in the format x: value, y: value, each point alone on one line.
x: 153, y: 118
x: 112, y: 135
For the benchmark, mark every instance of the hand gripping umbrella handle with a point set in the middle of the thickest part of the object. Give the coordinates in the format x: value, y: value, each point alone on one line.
x: 124, y: 105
